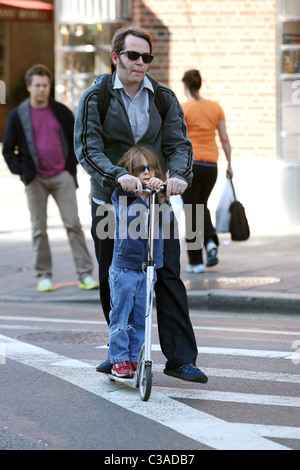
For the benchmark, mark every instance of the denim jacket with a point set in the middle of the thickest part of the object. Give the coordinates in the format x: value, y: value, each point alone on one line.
x: 131, y: 235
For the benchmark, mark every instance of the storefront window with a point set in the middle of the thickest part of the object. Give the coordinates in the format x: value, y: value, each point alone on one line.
x: 289, y: 80
x: 2, y: 39
x: 82, y: 54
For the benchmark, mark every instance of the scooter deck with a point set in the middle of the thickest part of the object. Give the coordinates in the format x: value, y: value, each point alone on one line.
x: 133, y: 382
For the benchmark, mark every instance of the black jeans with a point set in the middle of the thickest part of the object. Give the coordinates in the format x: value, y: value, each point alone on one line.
x: 204, y: 179
x: 175, y: 330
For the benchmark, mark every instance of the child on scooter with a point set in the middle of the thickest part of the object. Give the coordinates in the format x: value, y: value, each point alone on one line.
x: 127, y: 274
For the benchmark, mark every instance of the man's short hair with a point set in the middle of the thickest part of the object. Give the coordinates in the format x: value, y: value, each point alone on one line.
x: 40, y: 70
x: 118, y: 41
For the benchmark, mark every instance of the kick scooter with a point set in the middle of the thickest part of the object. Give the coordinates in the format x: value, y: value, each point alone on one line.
x: 142, y: 378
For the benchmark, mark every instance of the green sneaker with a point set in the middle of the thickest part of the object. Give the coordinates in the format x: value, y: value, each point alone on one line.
x: 88, y: 283
x: 45, y: 285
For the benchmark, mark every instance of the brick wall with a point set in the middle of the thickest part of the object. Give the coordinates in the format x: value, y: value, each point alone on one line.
x: 233, y: 43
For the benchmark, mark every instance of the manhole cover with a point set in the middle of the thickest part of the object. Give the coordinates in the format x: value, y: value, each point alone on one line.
x: 65, y: 337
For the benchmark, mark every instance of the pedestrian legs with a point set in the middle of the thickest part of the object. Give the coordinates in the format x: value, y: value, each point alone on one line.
x: 64, y: 193
x: 37, y: 197
x: 176, y: 333
x: 104, y: 247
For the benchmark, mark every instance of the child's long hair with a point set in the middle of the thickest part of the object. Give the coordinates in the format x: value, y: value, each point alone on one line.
x: 133, y: 157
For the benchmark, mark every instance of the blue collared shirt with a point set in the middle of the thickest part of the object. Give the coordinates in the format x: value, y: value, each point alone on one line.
x: 138, y: 107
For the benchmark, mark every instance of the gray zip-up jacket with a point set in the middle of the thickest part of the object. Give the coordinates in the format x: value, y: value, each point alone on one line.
x: 98, y: 148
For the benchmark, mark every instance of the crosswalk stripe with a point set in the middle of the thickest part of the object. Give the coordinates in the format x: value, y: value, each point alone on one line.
x: 242, y: 374
x: 285, y: 432
x: 232, y: 352
x: 250, y: 398
x: 22, y: 318
x: 202, y: 427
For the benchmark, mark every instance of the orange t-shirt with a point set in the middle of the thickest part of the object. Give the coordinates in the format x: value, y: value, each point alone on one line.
x: 202, y: 118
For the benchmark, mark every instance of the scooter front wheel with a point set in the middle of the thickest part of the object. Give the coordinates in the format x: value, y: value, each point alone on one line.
x: 145, y: 380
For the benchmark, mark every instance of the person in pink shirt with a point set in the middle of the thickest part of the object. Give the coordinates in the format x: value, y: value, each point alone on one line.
x: 38, y: 146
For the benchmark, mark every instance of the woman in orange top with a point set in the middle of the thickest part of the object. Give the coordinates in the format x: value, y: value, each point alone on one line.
x: 203, y: 118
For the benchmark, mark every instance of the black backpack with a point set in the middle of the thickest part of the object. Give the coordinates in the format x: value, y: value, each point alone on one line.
x: 104, y: 97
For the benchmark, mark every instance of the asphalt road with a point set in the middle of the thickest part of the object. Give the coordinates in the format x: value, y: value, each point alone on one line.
x: 51, y: 397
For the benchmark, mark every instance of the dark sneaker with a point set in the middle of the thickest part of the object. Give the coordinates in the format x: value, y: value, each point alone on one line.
x: 104, y: 367
x: 187, y: 372
x: 212, y: 257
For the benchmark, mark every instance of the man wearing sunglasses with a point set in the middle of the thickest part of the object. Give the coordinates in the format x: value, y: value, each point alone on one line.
x: 132, y: 119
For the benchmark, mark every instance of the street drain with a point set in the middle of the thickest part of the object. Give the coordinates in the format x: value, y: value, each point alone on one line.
x: 65, y: 337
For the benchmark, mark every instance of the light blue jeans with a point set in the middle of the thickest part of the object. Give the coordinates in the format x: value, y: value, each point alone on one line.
x: 127, y: 315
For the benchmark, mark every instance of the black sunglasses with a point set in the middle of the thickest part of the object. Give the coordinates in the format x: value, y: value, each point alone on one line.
x: 132, y: 55
x: 142, y: 168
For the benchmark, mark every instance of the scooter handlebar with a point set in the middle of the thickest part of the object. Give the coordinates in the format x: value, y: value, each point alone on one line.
x: 160, y: 189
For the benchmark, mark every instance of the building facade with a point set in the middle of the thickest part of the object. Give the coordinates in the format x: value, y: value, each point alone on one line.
x: 248, y: 52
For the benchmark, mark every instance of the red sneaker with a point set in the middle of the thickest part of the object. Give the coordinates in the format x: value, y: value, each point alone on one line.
x: 134, y: 366
x: 122, y: 369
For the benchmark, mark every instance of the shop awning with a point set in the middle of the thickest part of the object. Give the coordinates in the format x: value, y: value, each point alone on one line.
x: 28, y: 5
x: 25, y: 10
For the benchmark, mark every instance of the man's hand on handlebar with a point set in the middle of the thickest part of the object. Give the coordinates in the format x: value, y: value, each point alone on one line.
x: 175, y: 187
x: 131, y: 184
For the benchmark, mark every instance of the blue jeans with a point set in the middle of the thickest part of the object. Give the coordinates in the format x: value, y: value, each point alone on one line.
x: 127, y: 315
x: 176, y: 333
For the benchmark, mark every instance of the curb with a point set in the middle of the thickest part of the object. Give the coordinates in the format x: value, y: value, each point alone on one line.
x: 238, y: 302
x: 244, y: 302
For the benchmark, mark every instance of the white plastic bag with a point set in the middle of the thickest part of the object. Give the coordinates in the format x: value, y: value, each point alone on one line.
x: 223, y: 214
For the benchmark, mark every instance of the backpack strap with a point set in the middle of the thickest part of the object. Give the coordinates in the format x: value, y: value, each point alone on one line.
x: 159, y: 99
x: 104, y: 97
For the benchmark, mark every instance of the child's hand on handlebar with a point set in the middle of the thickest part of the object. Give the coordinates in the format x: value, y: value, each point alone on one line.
x: 155, y: 184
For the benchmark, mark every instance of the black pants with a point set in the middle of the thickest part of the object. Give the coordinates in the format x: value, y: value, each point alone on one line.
x: 204, y: 179
x: 176, y: 333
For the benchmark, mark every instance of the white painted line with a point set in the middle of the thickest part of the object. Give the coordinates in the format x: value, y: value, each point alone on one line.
x: 284, y: 432
x: 2, y: 353
x: 231, y: 352
x: 242, y: 374
x: 50, y: 320
x: 202, y: 427
x: 96, y: 322
x: 250, y: 398
x: 71, y: 363
x: 248, y: 330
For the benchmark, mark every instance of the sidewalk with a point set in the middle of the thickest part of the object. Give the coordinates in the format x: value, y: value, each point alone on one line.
x: 259, y: 275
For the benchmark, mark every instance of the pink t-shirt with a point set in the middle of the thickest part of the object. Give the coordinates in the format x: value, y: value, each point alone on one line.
x: 48, y: 142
